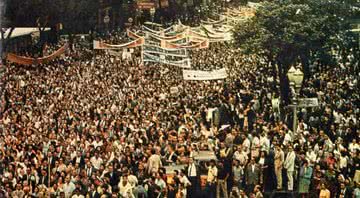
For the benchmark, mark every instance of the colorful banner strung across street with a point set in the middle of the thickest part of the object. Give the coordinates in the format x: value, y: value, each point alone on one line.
x: 137, y: 42
x: 22, y: 60
x: 189, y: 45
x: 204, y: 75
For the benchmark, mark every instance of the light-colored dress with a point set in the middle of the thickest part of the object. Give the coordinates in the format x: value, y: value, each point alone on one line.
x: 305, y: 179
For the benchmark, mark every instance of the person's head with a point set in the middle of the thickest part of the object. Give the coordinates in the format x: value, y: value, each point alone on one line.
x: 323, y: 186
x: 110, y: 168
x: 290, y: 148
x: 191, y: 160
x: 212, y: 163
x: 242, y: 193
x: 305, y: 163
x: 252, y: 160
x: 342, y: 185
x: 26, y: 189
x: 222, y: 145
x: 278, y: 147
x: 18, y: 187
x: 36, y: 189
x: 257, y: 188
x: 67, y: 179
x: 55, y: 186
x: 239, y: 148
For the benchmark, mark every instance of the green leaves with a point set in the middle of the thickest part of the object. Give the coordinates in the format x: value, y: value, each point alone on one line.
x: 286, y: 30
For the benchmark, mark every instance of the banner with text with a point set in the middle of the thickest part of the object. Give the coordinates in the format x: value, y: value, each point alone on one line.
x: 154, y: 49
x: 204, y: 75
x: 182, y: 63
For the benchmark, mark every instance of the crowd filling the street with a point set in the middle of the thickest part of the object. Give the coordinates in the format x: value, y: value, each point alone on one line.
x: 90, y: 125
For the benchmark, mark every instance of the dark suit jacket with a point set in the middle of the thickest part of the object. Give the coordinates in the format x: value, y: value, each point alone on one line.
x: 94, y: 195
x: 114, y: 179
x: 43, y: 180
x: 348, y: 193
x: 52, y: 162
x: 252, y: 177
x: 173, y: 157
x: 82, y: 161
x: 197, y: 170
x: 91, y: 168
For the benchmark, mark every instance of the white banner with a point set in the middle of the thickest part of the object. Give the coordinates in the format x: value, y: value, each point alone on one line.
x: 114, y: 53
x: 126, y: 55
x: 153, y: 49
x: 183, y: 63
x: 204, y: 75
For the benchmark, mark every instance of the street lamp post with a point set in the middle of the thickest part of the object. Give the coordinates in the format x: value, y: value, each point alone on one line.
x: 296, y: 77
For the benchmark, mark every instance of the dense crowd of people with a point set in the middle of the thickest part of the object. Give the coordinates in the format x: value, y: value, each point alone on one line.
x: 88, y: 125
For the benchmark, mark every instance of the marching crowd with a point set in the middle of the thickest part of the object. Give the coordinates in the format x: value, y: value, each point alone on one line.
x: 89, y: 125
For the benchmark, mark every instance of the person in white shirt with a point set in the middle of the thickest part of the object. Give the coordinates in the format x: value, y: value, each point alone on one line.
x: 154, y: 162
x: 192, y: 174
x: 125, y: 186
x: 68, y: 187
x: 311, y: 156
x: 77, y: 194
x: 211, y: 178
x: 96, y: 161
x: 343, y: 162
x: 255, y: 146
x: 289, y: 165
x: 133, y: 180
x: 159, y: 181
x: 354, y: 146
x: 246, y: 144
x: 264, y: 143
x: 287, y: 138
x: 241, y: 155
x: 97, y: 142
x: 184, y: 180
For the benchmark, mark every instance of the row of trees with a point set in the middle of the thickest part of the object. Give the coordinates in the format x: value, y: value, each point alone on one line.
x: 289, y: 32
x: 76, y: 16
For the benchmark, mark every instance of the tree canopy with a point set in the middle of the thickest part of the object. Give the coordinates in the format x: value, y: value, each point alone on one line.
x: 288, y: 32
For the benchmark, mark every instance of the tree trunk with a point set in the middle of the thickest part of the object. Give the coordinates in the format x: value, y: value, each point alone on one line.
x: 284, y: 88
x: 305, y: 62
x: 274, y: 73
x: 4, y: 41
